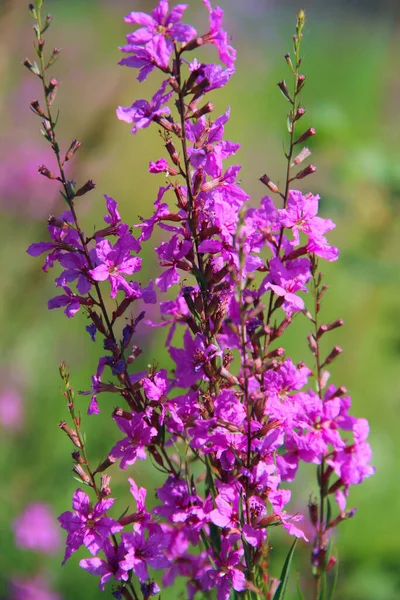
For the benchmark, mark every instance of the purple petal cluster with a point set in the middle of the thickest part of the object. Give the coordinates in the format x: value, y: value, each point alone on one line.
x: 233, y: 401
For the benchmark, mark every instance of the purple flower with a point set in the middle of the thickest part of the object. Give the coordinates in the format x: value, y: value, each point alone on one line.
x: 228, y: 573
x: 219, y: 36
x: 156, y: 387
x: 71, y: 301
x: 35, y: 588
x: 191, y: 359
x: 170, y: 254
x: 108, y: 568
x: 158, y: 32
x: 87, y: 525
x: 142, y: 113
x: 36, y: 529
x: 138, y: 435
x: 116, y: 261
x: 141, y: 552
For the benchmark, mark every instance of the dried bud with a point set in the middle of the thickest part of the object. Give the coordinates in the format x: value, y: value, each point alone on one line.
x: 82, y: 474
x: 289, y: 61
x: 305, y: 172
x: 110, y: 460
x: 204, y: 110
x: 43, y: 170
x: 36, y: 108
x: 283, y: 87
x: 51, y: 90
x: 32, y: 67
x: 305, y: 153
x: 73, y: 436
x: 89, y: 185
x: 307, y: 134
x: 270, y: 184
x: 77, y: 457
x: 334, y: 354
x: 105, y: 485
x: 75, y: 145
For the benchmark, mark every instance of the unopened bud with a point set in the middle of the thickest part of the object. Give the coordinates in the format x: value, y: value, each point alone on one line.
x: 307, y: 134
x: 299, y: 113
x: 300, y: 82
x: 181, y: 197
x: 75, y: 145
x: 324, y: 328
x: 172, y: 152
x: 312, y: 343
x: 174, y: 84
x: 204, y: 110
x: 334, y: 354
x: 270, y: 184
x: 110, y: 460
x: 197, y: 181
x: 89, y: 185
x: 305, y: 172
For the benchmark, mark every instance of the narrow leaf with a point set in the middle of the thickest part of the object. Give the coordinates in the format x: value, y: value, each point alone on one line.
x: 280, y: 592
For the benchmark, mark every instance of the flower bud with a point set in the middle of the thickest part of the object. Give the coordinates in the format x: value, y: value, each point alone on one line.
x: 301, y: 79
x: 324, y: 328
x: 305, y: 172
x: 305, y: 153
x: 83, y: 476
x: 110, y: 460
x: 36, y: 108
x: 51, y: 90
x: 89, y: 185
x: 75, y: 145
x: 334, y: 354
x: 307, y: 134
x: 204, y: 110
x: 270, y: 184
x: 43, y: 170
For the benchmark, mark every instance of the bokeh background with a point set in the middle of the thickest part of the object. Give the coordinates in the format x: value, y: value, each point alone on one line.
x: 351, y: 55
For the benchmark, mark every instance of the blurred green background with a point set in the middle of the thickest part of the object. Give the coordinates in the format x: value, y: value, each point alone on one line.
x: 351, y: 52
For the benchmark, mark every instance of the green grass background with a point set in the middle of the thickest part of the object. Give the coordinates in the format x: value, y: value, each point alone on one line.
x: 352, y: 98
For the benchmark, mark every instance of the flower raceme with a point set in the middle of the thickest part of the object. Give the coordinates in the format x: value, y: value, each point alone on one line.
x: 234, y: 403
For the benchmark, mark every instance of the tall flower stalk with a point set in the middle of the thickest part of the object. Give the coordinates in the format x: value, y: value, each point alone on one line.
x: 229, y: 425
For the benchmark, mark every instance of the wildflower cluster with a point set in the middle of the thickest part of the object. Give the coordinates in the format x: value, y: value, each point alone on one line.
x: 229, y: 425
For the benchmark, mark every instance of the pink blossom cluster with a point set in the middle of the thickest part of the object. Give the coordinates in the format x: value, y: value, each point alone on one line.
x: 231, y: 422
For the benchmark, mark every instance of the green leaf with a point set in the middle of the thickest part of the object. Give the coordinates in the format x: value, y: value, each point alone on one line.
x: 299, y: 592
x: 280, y: 592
